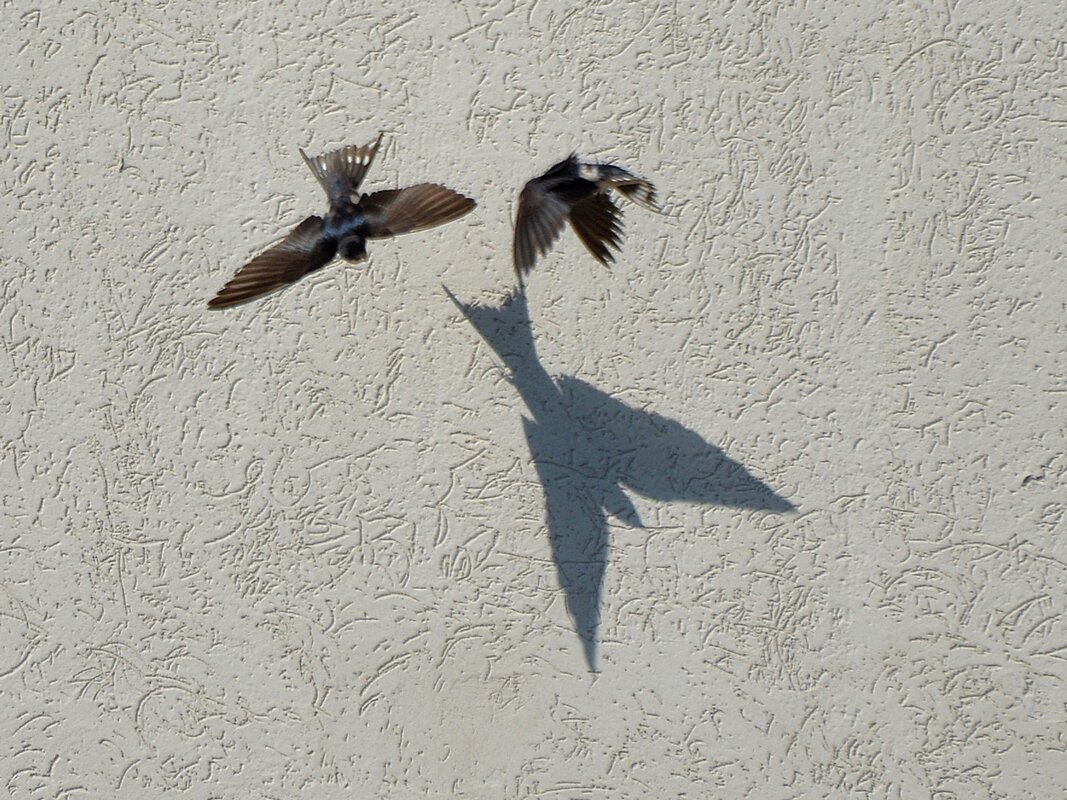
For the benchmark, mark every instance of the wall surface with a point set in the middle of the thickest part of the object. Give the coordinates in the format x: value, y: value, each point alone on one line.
x: 774, y: 508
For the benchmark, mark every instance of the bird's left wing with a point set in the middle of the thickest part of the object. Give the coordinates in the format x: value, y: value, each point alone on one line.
x: 304, y: 250
x: 416, y: 208
x: 539, y: 219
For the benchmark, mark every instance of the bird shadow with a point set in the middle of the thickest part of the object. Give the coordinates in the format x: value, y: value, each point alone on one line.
x: 587, y: 447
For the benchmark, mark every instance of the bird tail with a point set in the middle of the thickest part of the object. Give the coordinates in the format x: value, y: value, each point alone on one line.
x: 343, y: 169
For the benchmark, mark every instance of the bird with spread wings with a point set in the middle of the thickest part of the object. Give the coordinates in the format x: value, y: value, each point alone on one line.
x: 351, y: 220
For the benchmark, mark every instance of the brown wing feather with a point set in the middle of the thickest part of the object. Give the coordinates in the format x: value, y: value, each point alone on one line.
x: 635, y: 189
x: 416, y: 208
x: 639, y: 191
x: 538, y: 223
x: 598, y: 223
x: 302, y: 251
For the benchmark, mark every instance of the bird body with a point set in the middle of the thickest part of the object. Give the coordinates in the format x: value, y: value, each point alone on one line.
x: 349, y: 228
x: 348, y: 223
x: 352, y: 219
x: 578, y: 193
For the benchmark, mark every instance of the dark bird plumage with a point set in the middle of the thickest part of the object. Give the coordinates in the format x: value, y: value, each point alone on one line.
x: 351, y: 220
x: 579, y: 193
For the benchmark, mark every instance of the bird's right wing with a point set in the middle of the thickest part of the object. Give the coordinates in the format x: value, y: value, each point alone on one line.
x: 639, y: 191
x: 598, y: 223
x: 635, y: 189
x: 304, y: 250
x: 538, y: 223
x: 395, y: 211
x: 342, y: 171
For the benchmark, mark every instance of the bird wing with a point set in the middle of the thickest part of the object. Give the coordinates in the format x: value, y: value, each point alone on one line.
x: 342, y: 171
x: 538, y: 223
x: 635, y: 189
x: 598, y: 223
x: 304, y: 250
x: 416, y: 208
x: 639, y: 191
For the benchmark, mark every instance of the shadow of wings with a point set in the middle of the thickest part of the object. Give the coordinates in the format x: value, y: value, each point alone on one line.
x: 589, y: 448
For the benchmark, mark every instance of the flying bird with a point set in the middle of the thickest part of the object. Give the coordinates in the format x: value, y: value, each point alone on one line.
x: 351, y: 220
x: 580, y: 193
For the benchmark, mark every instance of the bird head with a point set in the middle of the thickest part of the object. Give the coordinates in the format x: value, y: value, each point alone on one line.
x: 353, y: 248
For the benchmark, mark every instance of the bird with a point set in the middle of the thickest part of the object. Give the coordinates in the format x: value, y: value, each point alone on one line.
x: 579, y: 193
x: 352, y: 218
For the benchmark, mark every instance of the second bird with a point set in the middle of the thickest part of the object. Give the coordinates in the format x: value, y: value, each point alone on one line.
x: 352, y: 219
x: 578, y: 192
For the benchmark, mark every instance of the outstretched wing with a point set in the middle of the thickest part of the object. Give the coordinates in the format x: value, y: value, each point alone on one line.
x: 638, y: 190
x: 641, y: 192
x: 538, y: 223
x: 304, y: 250
x: 342, y: 171
x: 598, y: 223
x: 416, y: 208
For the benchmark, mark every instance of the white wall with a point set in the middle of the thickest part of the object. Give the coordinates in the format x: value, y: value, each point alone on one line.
x: 302, y: 548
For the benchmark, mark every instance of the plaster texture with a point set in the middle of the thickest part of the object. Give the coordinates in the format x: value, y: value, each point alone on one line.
x: 775, y: 508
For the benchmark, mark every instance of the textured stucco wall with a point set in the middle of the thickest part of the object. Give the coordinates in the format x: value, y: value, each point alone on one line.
x: 347, y: 542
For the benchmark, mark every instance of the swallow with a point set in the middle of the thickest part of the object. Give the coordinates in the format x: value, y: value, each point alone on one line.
x: 352, y: 219
x: 580, y: 193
